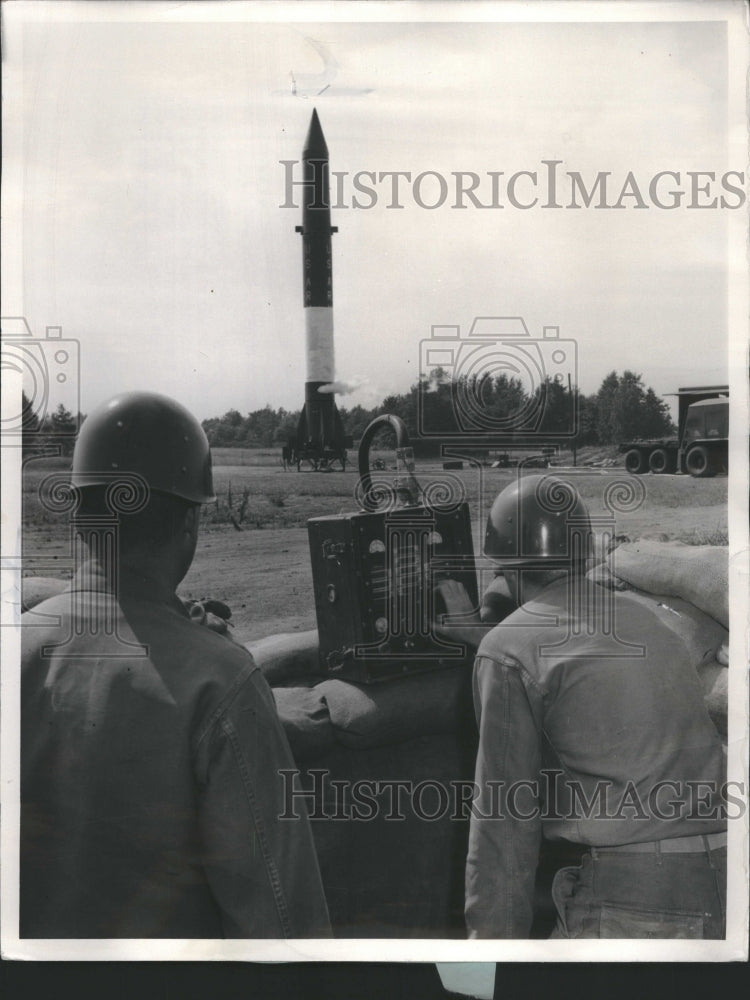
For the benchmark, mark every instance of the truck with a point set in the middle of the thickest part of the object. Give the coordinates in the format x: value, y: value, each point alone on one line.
x: 700, y: 448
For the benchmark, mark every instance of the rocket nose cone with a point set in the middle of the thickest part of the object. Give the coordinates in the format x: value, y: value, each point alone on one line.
x: 315, y: 143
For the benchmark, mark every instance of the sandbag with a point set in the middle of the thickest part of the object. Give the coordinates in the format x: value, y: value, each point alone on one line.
x: 714, y: 678
x: 375, y: 715
x: 705, y: 634
x: 303, y: 713
x: 698, y: 574
x: 35, y: 589
x: 316, y: 711
x: 603, y: 575
x: 284, y: 657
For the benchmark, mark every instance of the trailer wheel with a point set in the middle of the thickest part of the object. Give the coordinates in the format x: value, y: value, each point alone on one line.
x: 699, y: 462
x: 635, y: 461
x: 661, y: 461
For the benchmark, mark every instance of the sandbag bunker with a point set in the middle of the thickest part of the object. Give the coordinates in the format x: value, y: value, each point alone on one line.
x: 385, y: 771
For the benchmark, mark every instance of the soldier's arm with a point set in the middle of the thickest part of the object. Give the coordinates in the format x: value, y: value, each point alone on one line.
x: 505, y: 830
x: 262, y: 867
x: 456, y: 618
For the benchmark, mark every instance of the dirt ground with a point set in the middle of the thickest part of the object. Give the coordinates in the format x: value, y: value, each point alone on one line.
x: 262, y: 571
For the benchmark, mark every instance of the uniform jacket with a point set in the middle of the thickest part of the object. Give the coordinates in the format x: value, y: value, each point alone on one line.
x: 150, y: 785
x: 592, y: 726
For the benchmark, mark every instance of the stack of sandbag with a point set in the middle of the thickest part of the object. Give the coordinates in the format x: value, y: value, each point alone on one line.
x: 417, y: 731
x: 319, y: 712
x: 698, y: 574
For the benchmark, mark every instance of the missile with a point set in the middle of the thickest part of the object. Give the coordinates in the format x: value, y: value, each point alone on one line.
x: 320, y: 434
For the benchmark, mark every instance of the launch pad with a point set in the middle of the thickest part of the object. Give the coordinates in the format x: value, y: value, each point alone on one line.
x: 316, y: 459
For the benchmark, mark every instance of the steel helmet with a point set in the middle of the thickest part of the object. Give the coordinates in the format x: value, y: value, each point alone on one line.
x: 150, y: 435
x: 538, y: 522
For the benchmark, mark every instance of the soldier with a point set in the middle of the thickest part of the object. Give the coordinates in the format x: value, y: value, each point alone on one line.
x: 150, y: 745
x: 592, y: 726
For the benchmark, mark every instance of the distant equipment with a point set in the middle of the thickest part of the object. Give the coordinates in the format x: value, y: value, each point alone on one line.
x: 700, y: 448
x: 374, y: 571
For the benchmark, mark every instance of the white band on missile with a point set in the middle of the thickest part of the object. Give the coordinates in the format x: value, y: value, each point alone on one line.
x: 319, y: 341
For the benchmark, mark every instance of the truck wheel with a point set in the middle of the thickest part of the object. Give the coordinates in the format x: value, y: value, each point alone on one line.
x: 661, y: 461
x: 699, y: 462
x: 635, y: 461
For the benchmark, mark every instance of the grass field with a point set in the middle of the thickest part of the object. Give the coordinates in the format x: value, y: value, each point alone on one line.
x: 255, y: 557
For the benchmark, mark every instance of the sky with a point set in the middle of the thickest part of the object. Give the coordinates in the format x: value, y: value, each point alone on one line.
x: 151, y: 190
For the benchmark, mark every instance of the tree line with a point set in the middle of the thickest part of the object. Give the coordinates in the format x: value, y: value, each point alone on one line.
x: 50, y: 433
x: 441, y: 406
x: 622, y: 409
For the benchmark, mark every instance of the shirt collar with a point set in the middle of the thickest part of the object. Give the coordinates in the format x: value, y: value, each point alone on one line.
x: 93, y: 576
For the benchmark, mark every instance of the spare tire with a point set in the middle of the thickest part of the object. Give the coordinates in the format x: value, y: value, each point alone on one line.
x: 635, y: 461
x: 699, y: 462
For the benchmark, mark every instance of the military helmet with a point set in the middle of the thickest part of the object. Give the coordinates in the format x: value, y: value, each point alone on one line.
x: 149, y: 435
x: 538, y: 522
